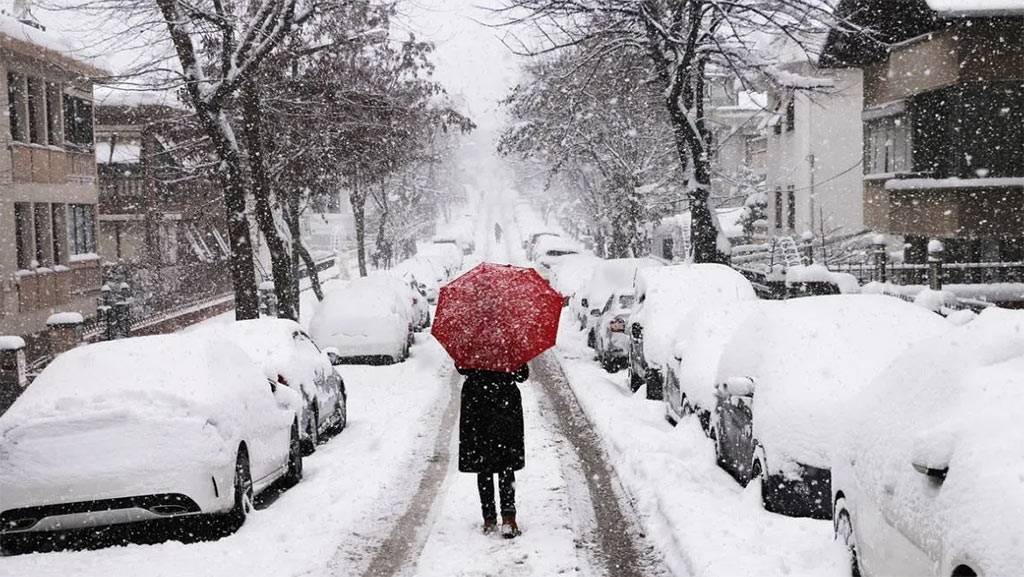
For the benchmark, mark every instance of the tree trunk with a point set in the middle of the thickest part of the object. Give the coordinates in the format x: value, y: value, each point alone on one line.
x: 243, y: 270
x: 291, y: 218
x: 279, y: 258
x: 314, y: 275
x: 358, y: 201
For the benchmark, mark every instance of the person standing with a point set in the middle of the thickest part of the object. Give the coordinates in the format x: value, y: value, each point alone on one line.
x: 491, y: 441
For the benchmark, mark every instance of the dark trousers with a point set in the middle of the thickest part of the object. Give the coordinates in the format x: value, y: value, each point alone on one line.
x: 506, y: 492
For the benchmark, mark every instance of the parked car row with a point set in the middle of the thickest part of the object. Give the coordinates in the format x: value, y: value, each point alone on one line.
x: 878, y: 414
x: 190, y: 425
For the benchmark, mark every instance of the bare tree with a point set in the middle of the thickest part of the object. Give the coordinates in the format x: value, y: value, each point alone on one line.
x: 683, y: 40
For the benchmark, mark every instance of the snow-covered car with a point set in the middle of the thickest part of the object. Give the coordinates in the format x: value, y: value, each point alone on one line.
x: 530, y: 243
x: 448, y: 256
x: 427, y: 276
x: 289, y: 356
x: 616, y: 275
x: 608, y: 335
x: 571, y: 274
x: 360, y: 323
x: 142, y: 429
x: 418, y: 308
x: 690, y: 377
x: 926, y: 479
x: 462, y: 241
x: 785, y: 376
x: 548, y: 252
x: 664, y: 296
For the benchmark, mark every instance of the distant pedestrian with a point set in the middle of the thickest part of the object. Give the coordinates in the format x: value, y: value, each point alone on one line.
x: 497, y: 232
x: 491, y: 441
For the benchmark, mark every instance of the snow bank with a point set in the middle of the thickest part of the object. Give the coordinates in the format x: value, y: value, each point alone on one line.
x: 809, y: 357
x: 953, y: 401
x: 665, y: 295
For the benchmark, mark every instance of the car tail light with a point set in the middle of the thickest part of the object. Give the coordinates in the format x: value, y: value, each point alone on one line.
x: 617, y: 325
x: 282, y: 380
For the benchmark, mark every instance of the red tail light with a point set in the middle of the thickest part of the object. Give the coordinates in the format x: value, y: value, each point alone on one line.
x: 617, y: 325
x: 282, y: 380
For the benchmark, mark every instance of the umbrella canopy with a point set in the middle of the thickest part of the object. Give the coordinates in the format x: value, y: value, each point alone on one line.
x: 497, y: 317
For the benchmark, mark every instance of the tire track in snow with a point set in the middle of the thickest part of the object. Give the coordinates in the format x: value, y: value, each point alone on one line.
x: 408, y: 531
x: 618, y: 546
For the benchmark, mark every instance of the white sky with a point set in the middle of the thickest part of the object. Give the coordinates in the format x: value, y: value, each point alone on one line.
x: 471, y: 60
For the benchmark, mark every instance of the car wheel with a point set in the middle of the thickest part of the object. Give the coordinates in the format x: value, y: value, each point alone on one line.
x: 312, y: 431
x: 654, y: 386
x: 243, y: 492
x: 294, y: 473
x: 844, y: 531
x: 341, y: 414
x: 716, y: 437
x: 635, y: 381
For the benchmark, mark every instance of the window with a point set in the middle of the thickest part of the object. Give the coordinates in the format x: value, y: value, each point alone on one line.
x: 23, y: 234
x: 790, y: 114
x: 81, y: 229
x: 778, y: 208
x: 167, y: 237
x: 15, y: 106
x: 41, y: 216
x: 887, y: 145
x: 791, y: 212
x: 53, y: 106
x: 36, y: 129
x: 56, y: 224
x: 78, y: 122
x: 667, y: 248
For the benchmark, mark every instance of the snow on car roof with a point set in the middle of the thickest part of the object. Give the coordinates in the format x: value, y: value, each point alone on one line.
x: 270, y: 342
x: 703, y: 337
x: 954, y: 400
x: 615, y: 275
x: 810, y: 356
x: 182, y: 373
x: 670, y: 292
x: 977, y: 7
x: 572, y: 271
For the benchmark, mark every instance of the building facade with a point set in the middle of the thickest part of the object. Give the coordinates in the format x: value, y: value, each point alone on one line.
x: 48, y: 186
x: 813, y: 142
x: 161, y: 218
x: 943, y: 122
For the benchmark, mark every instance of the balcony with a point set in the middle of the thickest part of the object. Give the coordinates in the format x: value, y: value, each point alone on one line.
x: 37, y: 163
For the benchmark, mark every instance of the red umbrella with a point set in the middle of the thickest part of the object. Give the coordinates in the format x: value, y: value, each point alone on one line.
x: 497, y: 317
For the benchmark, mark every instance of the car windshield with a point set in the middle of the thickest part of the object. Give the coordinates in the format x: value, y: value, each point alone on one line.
x: 616, y: 288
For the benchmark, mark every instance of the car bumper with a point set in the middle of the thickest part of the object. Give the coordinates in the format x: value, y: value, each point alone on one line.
x: 129, y: 474
x: 361, y: 347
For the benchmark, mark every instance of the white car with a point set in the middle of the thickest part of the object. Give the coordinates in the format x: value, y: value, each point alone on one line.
x: 690, y: 377
x: 927, y: 477
x: 418, y: 307
x: 610, y: 276
x: 289, y: 356
x: 363, y: 324
x: 549, y: 251
x: 448, y: 256
x: 608, y: 335
x: 423, y: 272
x: 664, y: 297
x: 788, y: 371
x: 141, y: 429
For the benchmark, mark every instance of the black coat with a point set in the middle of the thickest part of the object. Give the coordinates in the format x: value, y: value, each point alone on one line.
x: 491, y: 422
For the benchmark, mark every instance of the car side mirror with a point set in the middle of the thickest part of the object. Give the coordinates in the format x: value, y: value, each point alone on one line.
x: 737, y: 387
x: 334, y: 355
x: 932, y: 472
x: 595, y: 312
x: 584, y: 303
